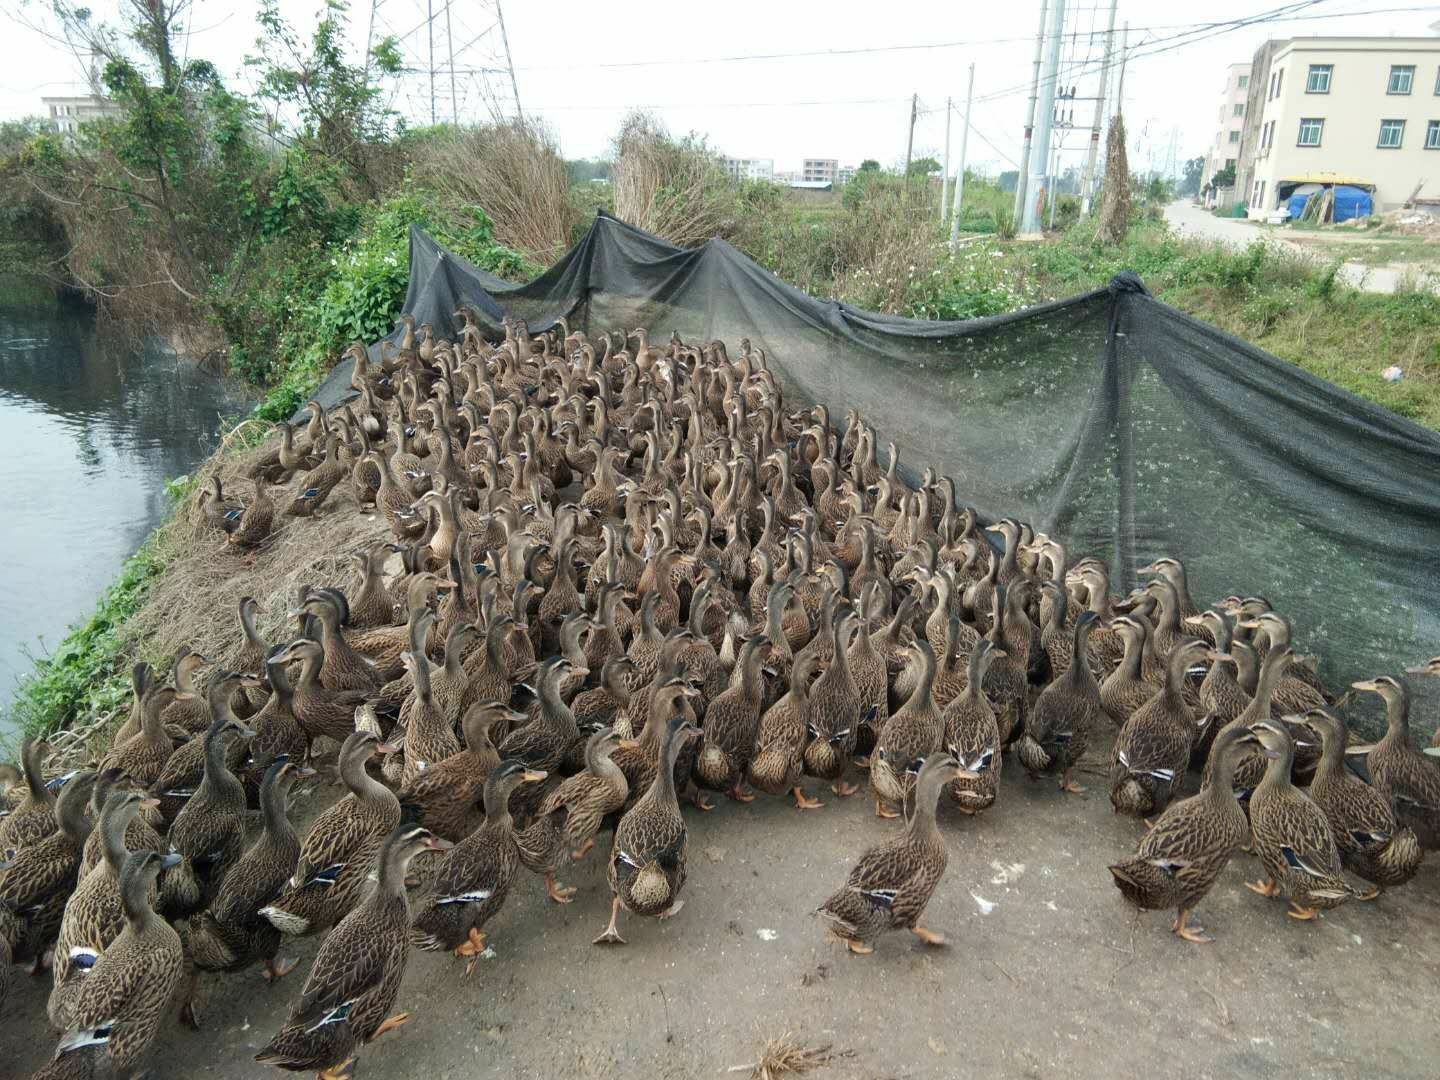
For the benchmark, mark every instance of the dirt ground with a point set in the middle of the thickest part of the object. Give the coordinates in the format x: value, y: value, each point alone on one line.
x: 1048, y: 973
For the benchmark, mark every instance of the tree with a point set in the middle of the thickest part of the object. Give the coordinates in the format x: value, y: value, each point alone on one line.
x: 1194, y: 174
x: 1115, y: 202
x: 924, y: 166
x: 869, y: 165
x: 1225, y: 178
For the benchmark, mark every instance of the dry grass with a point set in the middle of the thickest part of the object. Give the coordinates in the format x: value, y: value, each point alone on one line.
x: 672, y: 188
x: 786, y: 1056
x: 514, y: 172
x: 195, y: 601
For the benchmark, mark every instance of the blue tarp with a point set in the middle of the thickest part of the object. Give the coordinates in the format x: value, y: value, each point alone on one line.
x: 1350, y: 202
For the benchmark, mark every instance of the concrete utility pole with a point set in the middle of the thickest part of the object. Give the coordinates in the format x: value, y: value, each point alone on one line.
x: 1045, y: 112
x: 1023, y: 180
x: 945, y: 172
x: 960, y: 172
x: 1087, y: 192
x: 450, y: 43
x: 430, y: 27
x: 910, y: 142
x: 1124, y: 56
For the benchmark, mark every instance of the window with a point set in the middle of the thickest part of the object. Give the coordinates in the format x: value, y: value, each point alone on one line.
x: 1229, y: 163
x: 1318, y: 81
x: 1279, y: 81
x: 1234, y: 136
x: 1437, y: 80
x: 1310, y: 129
x: 1240, y: 109
x: 1261, y: 201
x: 1392, y: 134
x: 1270, y: 91
x: 1244, y: 81
x: 1402, y: 76
x: 1432, y: 135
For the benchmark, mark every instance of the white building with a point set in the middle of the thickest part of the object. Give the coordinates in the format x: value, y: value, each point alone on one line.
x: 819, y: 170
x: 1224, y: 151
x: 1358, y: 110
x: 749, y: 168
x: 68, y: 113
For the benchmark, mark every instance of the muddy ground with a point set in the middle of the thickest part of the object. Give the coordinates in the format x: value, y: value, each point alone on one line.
x: 1048, y: 973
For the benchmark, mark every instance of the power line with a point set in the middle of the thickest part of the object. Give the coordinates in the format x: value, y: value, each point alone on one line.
x: 1186, y: 28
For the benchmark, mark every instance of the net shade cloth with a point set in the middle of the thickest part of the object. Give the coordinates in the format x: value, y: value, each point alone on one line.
x: 1109, y: 420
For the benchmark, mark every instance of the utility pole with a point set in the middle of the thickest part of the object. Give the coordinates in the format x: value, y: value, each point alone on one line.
x: 1045, y: 113
x: 960, y: 172
x: 1023, y: 180
x: 1124, y: 56
x: 450, y: 43
x: 945, y: 173
x: 1087, y: 195
x: 430, y: 27
x: 910, y: 142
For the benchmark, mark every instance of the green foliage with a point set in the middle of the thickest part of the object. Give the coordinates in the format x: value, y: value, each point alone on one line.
x: 869, y: 165
x: 85, y: 674
x: 925, y: 166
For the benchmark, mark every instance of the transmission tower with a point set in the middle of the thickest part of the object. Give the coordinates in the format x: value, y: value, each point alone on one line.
x: 455, y: 59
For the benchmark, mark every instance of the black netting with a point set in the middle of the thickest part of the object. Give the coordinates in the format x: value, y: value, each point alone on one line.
x: 1109, y: 420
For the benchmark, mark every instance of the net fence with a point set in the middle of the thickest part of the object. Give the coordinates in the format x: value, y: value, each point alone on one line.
x: 1108, y: 420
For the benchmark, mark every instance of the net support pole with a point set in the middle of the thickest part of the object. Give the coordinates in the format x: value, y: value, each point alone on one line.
x: 1045, y: 111
x: 945, y: 172
x: 1087, y: 197
x: 1022, y: 182
x: 960, y: 168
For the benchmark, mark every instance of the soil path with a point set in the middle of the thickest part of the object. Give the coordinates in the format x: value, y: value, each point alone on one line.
x: 1048, y: 973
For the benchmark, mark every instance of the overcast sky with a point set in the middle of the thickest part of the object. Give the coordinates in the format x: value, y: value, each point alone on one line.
x: 581, y: 66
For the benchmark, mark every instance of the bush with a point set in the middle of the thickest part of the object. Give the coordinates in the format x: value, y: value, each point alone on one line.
x: 673, y: 188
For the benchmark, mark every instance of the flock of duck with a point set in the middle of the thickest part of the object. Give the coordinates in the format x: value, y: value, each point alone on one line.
x: 622, y: 578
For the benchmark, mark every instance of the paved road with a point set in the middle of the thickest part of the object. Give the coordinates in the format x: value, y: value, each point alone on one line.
x: 1192, y: 220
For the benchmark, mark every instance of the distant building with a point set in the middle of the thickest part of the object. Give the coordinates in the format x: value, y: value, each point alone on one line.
x: 68, y: 113
x: 786, y: 177
x: 749, y: 168
x: 1224, y: 150
x: 1363, y: 111
x: 845, y: 175
x: 819, y: 170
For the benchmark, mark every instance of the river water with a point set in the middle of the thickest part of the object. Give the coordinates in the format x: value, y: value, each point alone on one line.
x: 88, y: 436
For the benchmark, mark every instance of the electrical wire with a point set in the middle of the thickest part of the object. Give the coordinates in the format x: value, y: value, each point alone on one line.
x: 968, y: 43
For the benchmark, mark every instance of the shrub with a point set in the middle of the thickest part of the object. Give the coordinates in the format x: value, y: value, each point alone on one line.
x: 671, y: 187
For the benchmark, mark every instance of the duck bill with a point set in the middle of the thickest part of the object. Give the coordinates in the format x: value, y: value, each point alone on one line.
x: 1366, y: 684
x: 436, y: 843
x: 530, y: 776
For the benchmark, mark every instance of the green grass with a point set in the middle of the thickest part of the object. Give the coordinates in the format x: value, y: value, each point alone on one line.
x: 1290, y: 306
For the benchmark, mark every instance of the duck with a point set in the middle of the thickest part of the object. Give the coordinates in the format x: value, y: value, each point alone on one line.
x: 118, y: 1008
x: 446, y: 795
x: 321, y: 712
x: 1057, y: 730
x: 1403, y: 774
x: 231, y: 934
x: 253, y: 526
x: 1153, y: 748
x: 911, y: 734
x: 184, y: 772
x: 580, y: 805
x: 343, y: 667
x: 891, y: 885
x: 142, y: 757
x: 972, y: 736
x: 340, y: 847
x: 140, y: 832
x: 210, y: 830
x: 779, y: 758
x: 356, y: 976
x: 1292, y: 835
x: 732, y: 722
x: 646, y: 869
x: 1372, y: 844
x: 474, y: 876
x: 94, y: 915
x: 38, y: 879
x: 186, y: 710
x: 33, y: 818
x: 838, y: 712
x: 1178, y: 861
x: 1126, y: 689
